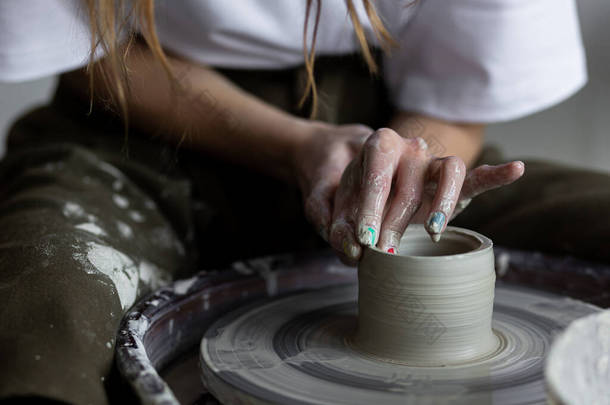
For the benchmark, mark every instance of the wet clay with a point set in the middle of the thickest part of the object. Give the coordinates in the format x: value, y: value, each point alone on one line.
x: 421, y: 333
x: 293, y: 350
x: 429, y: 305
x: 577, y: 370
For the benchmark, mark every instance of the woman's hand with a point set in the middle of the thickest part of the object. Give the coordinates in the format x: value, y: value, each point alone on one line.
x: 319, y: 164
x: 363, y: 187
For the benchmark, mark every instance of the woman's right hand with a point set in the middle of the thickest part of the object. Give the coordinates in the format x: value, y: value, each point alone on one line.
x: 363, y: 187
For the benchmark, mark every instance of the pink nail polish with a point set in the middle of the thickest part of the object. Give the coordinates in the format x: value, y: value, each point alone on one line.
x: 392, y: 251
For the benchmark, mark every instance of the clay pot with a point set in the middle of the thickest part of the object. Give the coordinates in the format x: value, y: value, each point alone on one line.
x: 429, y: 305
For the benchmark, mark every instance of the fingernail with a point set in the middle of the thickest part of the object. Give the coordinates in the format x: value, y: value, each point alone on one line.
x: 324, y: 233
x: 367, y: 235
x: 436, y: 222
x: 350, y: 249
x: 392, y: 241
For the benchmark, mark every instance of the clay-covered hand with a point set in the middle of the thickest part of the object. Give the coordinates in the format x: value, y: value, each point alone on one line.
x: 386, y: 182
x: 319, y: 164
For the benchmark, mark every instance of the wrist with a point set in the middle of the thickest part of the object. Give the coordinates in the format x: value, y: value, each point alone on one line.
x: 443, y: 138
x: 304, y: 132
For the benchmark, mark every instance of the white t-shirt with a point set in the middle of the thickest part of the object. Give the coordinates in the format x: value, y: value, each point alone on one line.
x: 466, y: 60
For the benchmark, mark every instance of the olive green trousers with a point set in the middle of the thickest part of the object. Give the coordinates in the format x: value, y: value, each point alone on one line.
x: 87, y: 228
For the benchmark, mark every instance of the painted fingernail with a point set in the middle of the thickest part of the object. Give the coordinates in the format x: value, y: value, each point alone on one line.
x: 435, y: 223
x: 350, y: 249
x: 367, y: 235
x: 391, y: 241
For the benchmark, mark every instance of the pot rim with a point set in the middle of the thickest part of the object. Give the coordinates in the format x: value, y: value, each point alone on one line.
x: 485, y: 245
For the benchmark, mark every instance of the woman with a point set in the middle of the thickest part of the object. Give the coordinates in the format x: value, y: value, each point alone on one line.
x: 187, y: 146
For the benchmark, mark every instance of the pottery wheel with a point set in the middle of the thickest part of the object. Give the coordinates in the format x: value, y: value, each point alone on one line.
x: 295, y: 350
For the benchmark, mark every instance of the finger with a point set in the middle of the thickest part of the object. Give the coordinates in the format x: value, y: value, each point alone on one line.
x: 318, y: 208
x: 343, y: 241
x: 406, y: 199
x: 484, y: 178
x: 380, y: 154
x: 451, y: 179
x: 346, y: 260
x: 460, y: 206
x: 341, y: 232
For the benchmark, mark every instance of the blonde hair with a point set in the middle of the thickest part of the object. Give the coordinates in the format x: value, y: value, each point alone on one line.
x: 110, y: 24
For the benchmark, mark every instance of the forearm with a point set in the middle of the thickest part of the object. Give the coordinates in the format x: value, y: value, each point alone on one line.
x: 443, y: 138
x: 205, y: 111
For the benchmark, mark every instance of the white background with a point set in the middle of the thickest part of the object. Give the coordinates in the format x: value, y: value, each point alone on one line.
x: 576, y: 132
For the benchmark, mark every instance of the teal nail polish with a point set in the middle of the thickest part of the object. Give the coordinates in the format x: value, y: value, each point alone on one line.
x: 367, y: 234
x: 372, y: 231
x: 436, y: 221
